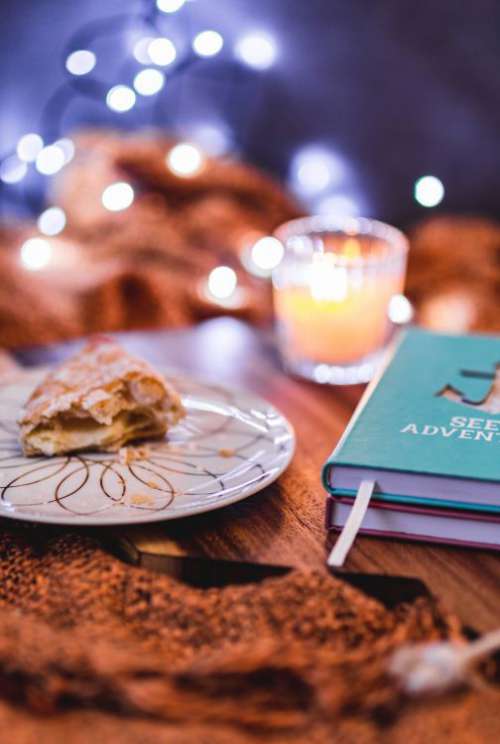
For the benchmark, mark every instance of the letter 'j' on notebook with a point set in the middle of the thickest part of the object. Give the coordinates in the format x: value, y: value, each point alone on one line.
x: 426, y: 434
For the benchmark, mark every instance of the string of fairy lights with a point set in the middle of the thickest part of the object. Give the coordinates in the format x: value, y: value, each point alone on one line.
x: 160, y: 47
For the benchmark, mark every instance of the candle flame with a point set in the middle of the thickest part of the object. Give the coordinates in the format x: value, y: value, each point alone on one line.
x: 327, y: 280
x: 351, y: 248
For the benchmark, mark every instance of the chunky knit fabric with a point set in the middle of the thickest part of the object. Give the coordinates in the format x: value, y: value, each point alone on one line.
x: 93, y: 650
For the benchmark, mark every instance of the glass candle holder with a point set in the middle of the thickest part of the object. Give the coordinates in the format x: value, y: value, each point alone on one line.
x: 332, y: 295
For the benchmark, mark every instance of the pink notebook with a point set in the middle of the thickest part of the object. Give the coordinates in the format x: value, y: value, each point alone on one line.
x: 471, y: 529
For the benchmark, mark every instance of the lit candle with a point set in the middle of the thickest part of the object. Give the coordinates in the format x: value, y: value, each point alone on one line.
x: 331, y: 295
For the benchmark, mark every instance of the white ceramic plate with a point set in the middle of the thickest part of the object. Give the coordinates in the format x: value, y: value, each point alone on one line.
x: 230, y: 445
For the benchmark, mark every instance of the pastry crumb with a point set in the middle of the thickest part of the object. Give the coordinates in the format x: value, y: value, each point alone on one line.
x: 225, y: 452
x: 129, y: 454
x: 141, y: 499
x: 153, y: 484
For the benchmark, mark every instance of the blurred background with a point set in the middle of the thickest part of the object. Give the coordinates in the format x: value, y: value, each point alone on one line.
x: 389, y: 110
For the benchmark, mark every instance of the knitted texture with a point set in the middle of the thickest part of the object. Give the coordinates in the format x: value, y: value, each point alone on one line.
x: 94, y: 650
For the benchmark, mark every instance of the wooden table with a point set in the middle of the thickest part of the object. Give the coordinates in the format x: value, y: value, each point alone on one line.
x: 285, y: 522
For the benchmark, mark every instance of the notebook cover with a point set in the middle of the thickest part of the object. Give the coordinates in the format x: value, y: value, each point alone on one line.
x: 409, y: 509
x: 416, y: 537
x: 434, y: 410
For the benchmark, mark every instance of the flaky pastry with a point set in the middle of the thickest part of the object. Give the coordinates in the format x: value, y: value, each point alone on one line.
x: 98, y: 400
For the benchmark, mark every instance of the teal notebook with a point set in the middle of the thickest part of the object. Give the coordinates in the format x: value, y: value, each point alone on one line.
x: 428, y: 429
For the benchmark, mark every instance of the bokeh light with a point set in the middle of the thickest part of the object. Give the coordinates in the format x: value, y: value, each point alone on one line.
x: 428, y: 191
x: 169, y: 6
x: 212, y: 138
x: 118, y: 196
x: 222, y: 282
x: 141, y: 50
x: 29, y: 146
x: 50, y: 160
x: 120, y: 98
x: 208, y: 43
x: 67, y: 146
x: 161, y: 51
x: 257, y: 50
x: 313, y: 169
x: 185, y: 159
x: 36, y: 253
x: 400, y: 310
x: 52, y: 221
x: 81, y: 62
x: 266, y: 254
x: 148, y: 82
x: 12, y: 170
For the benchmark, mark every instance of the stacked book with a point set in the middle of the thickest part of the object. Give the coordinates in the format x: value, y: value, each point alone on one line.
x: 426, y: 438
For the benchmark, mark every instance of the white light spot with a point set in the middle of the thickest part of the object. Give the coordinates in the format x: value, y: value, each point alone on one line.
x: 29, y: 146
x: 161, y: 51
x: 208, y: 43
x: 185, y: 159
x: 36, y: 253
x: 400, y: 309
x: 211, y: 138
x: 429, y: 191
x: 314, y: 168
x: 169, y: 6
x: 120, y: 98
x: 148, y: 82
x: 81, y: 62
x: 52, y: 221
x: 256, y: 50
x: 338, y: 204
x: 314, y: 175
x: 68, y: 148
x: 12, y: 170
x: 267, y: 253
x: 141, y: 50
x: 50, y: 160
x: 118, y: 196
x: 222, y: 282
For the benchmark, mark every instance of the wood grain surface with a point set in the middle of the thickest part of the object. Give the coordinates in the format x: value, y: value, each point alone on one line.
x: 284, y: 523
